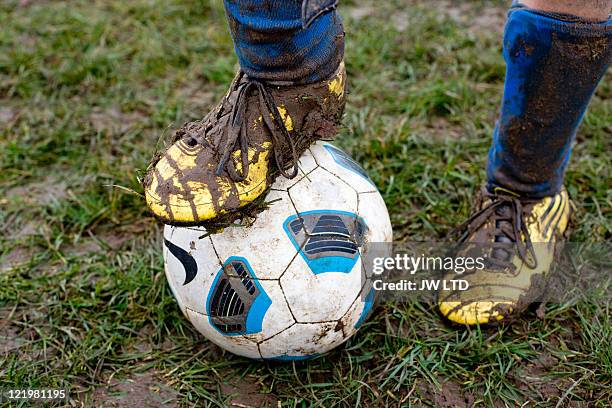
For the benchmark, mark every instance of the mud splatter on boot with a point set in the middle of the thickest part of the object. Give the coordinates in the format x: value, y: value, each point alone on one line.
x: 225, y: 162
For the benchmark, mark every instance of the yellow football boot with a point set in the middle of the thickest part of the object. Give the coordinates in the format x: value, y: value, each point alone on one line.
x: 225, y: 161
x: 518, y: 239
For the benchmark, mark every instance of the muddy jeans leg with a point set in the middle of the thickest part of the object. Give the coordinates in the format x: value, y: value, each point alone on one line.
x: 554, y: 63
x: 286, y: 40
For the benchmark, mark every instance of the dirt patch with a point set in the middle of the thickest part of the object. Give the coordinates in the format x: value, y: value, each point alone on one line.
x: 16, y: 228
x: 25, y: 3
x: 114, y: 121
x: 109, y: 239
x: 246, y: 392
x: 10, y: 341
x: 96, y: 243
x: 448, y: 395
x: 474, y: 16
x: 145, y: 342
x: 41, y: 192
x: 20, y: 341
x: 138, y: 390
x: 441, y: 129
x: 6, y: 115
x: 533, y: 375
x: 17, y: 256
x: 30, y: 228
x: 359, y: 12
x: 197, y: 99
x: 113, y: 238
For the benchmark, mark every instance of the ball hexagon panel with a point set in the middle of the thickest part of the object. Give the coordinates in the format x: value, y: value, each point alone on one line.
x: 337, y: 162
x: 359, y: 310
x: 319, y: 297
x: 372, y: 208
x: 278, y: 316
x: 322, y: 190
x: 307, y: 162
x: 303, y: 340
x: 306, y: 165
x: 236, y: 344
x: 265, y: 243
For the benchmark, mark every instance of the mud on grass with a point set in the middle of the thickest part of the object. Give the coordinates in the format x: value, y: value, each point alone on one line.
x: 96, y: 318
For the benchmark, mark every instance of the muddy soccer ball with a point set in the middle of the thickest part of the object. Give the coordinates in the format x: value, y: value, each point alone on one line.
x: 291, y: 286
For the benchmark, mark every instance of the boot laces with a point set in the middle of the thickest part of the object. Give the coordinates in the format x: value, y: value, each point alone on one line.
x: 237, y: 134
x: 507, y: 212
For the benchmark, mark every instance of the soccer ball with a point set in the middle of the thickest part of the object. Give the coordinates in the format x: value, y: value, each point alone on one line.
x: 292, y: 285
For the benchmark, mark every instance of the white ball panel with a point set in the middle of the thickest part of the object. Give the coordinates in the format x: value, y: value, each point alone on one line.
x: 303, y: 340
x: 236, y: 344
x: 306, y: 164
x: 373, y: 210
x: 170, y: 265
x: 278, y: 317
x: 337, y: 162
x: 322, y: 190
x: 319, y: 297
x: 358, y: 312
x: 265, y: 244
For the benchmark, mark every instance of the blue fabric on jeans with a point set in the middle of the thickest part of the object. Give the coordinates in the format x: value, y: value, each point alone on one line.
x: 554, y: 63
x: 275, y: 41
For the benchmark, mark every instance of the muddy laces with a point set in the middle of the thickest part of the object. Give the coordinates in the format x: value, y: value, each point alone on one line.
x: 237, y: 135
x: 507, y: 212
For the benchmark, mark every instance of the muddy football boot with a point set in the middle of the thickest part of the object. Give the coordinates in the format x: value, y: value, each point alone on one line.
x: 224, y: 162
x: 518, y: 239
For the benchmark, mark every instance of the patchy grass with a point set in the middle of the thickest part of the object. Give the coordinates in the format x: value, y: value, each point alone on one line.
x: 86, y: 90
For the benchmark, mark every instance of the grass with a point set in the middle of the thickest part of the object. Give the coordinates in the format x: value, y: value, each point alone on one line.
x: 86, y: 90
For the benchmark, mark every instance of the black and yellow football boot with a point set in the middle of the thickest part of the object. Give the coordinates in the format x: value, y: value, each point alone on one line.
x: 225, y: 161
x: 517, y: 238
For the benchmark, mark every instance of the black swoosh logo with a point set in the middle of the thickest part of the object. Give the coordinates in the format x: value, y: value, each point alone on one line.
x: 190, y: 265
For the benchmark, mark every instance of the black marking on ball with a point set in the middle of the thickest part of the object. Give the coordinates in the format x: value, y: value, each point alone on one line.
x: 189, y: 263
x: 321, y: 234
